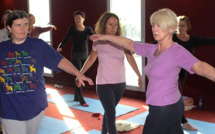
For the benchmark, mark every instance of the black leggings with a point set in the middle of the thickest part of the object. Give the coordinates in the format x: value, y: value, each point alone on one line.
x: 110, y: 95
x: 164, y: 119
x: 78, y: 63
x: 182, y: 79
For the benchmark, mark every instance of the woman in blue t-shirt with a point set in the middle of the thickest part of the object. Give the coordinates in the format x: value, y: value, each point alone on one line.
x: 22, y: 90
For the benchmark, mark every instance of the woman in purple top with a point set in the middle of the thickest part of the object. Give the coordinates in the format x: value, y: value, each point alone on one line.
x: 110, y: 80
x: 165, y: 60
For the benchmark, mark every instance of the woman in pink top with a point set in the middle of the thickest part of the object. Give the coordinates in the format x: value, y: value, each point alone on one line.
x: 111, y: 70
x: 165, y: 60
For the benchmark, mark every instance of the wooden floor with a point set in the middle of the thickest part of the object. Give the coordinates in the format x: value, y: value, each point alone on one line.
x: 88, y: 122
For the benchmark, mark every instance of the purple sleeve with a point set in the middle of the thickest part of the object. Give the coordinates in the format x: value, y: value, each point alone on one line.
x: 184, y: 59
x: 143, y: 49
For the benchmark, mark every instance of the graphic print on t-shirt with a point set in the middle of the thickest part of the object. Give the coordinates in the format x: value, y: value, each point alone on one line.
x: 18, y: 72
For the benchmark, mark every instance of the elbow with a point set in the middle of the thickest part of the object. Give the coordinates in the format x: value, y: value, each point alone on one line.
x: 130, y: 46
x: 197, y: 68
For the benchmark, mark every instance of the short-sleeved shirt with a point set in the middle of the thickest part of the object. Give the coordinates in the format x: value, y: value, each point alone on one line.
x: 111, y: 69
x: 22, y: 87
x: 162, y: 71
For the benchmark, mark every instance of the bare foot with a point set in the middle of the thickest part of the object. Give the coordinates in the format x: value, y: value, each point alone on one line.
x: 188, y: 126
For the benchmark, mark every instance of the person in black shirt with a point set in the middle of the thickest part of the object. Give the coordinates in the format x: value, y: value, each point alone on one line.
x: 79, y: 34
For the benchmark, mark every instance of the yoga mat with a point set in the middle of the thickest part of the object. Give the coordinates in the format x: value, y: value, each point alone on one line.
x: 93, y: 132
x: 203, y: 127
x: 95, y: 105
x: 51, y: 125
x: 139, y: 119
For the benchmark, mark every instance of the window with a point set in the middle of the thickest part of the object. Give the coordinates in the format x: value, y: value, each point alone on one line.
x: 131, y: 14
x: 42, y: 19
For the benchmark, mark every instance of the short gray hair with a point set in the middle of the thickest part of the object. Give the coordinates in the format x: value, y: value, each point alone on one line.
x: 165, y: 18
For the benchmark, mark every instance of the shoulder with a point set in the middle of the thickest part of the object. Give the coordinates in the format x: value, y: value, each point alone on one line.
x: 148, y: 45
x: 194, y: 37
x: 36, y: 41
x: 178, y: 50
x: 71, y: 27
x: 88, y: 27
x: 175, y: 38
x: 3, y: 30
x: 177, y: 47
x: 5, y: 43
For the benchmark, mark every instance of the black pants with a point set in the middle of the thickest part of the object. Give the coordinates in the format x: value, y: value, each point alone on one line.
x: 182, y: 79
x: 78, y: 63
x: 110, y: 95
x: 164, y: 119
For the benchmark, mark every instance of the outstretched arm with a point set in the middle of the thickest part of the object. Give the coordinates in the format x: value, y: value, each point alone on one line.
x: 66, y: 38
x: 133, y: 64
x: 205, y: 70
x: 118, y: 40
x: 68, y: 67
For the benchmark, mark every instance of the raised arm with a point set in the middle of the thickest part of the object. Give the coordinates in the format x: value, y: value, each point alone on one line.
x: 68, y: 67
x: 120, y: 41
x: 133, y: 64
x: 204, y: 69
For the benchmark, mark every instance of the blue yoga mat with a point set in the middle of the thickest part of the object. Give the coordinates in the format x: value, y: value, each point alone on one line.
x: 94, y: 132
x: 139, y: 119
x: 55, y: 126
x: 95, y: 106
x: 203, y: 127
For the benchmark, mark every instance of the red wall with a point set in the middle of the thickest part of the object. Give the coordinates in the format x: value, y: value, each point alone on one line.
x: 200, y: 13
x: 12, y: 5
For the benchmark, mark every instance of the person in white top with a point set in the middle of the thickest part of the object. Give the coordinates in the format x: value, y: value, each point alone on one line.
x: 4, y: 32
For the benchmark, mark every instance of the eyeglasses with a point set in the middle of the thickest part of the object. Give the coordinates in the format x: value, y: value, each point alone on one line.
x: 182, y: 26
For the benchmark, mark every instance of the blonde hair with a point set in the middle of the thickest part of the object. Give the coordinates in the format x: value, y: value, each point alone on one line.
x: 165, y: 18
